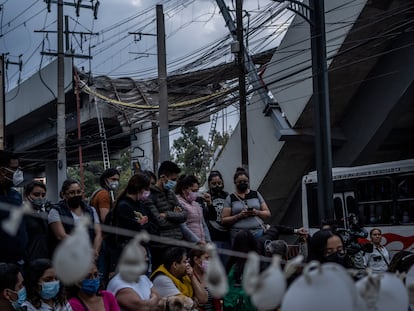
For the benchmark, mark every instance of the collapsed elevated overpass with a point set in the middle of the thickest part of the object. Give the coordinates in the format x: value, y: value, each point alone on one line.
x: 371, y: 73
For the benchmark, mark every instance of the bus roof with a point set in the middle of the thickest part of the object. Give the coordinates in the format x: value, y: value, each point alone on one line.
x: 376, y: 169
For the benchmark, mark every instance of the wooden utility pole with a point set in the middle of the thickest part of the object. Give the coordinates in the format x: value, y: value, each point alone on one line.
x: 162, y: 85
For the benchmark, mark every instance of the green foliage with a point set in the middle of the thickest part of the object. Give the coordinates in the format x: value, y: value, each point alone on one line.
x: 188, y: 152
x: 220, y: 140
x: 93, y: 170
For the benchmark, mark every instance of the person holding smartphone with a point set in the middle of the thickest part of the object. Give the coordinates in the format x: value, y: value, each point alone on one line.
x: 244, y: 208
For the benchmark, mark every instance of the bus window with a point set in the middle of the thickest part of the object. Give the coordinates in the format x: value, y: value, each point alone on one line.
x: 312, y: 205
x: 339, y: 215
x: 405, y: 198
x: 375, y: 201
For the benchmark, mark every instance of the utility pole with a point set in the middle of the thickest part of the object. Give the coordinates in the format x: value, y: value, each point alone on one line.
x: 314, y: 14
x: 61, y: 106
x: 323, y: 150
x: 162, y: 85
x: 271, y: 108
x: 61, y: 120
x: 2, y: 105
x: 4, y: 65
x: 242, y: 87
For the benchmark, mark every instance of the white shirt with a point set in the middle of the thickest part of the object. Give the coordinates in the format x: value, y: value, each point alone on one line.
x: 165, y: 286
x: 142, y: 287
x: 375, y: 260
x: 55, y: 217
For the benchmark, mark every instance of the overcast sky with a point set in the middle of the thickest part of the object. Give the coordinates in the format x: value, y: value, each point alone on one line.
x: 191, y: 26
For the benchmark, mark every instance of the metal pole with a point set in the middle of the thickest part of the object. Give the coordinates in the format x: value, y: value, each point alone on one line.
x: 2, y: 106
x: 323, y: 150
x: 162, y: 84
x: 242, y: 87
x: 61, y: 121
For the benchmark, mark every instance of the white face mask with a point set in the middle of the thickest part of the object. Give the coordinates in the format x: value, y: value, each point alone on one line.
x: 113, y: 185
x: 18, y: 177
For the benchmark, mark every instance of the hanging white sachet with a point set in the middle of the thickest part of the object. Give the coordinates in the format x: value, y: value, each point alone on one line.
x: 74, y: 256
x: 216, y: 277
x: 133, y: 262
x: 270, y: 287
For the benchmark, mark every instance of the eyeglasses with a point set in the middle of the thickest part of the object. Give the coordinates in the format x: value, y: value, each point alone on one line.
x: 74, y: 192
x: 38, y: 194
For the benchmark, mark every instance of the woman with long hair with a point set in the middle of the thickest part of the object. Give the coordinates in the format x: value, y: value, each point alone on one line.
x: 244, y: 209
x: 195, y: 228
x: 67, y: 212
x: 327, y: 246
x: 236, y: 299
x: 86, y: 296
x: 199, y: 262
x: 44, y: 291
x: 129, y: 213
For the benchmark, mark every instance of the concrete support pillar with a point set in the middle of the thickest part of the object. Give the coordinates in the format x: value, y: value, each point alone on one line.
x: 141, y: 147
x: 53, y: 188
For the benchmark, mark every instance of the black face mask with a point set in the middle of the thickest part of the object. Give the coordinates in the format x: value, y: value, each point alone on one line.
x: 216, y: 189
x: 242, y: 187
x: 337, y: 257
x: 74, y: 202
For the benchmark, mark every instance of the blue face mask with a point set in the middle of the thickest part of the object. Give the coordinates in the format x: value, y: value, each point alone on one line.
x: 90, y: 286
x: 21, y: 297
x: 170, y: 184
x: 50, y: 289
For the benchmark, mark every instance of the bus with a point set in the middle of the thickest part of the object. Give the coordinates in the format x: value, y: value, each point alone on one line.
x: 378, y: 195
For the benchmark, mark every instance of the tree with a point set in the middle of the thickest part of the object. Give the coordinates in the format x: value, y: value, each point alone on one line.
x: 188, y: 152
x: 93, y: 170
x: 219, y: 140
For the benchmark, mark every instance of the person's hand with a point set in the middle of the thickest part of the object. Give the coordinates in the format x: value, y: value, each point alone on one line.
x: 180, y: 302
x: 207, y: 197
x: 301, y: 231
x: 189, y: 269
x: 177, y: 209
x: 163, y: 215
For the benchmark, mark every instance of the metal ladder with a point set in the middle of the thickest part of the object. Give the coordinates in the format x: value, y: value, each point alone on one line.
x: 207, y: 151
x: 102, y: 134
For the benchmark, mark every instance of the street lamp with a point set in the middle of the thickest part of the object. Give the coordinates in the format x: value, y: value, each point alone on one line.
x: 314, y: 14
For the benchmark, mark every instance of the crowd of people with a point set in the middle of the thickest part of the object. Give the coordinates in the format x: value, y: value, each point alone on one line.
x: 168, y: 205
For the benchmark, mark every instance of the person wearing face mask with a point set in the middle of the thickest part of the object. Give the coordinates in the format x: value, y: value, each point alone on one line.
x: 72, y: 208
x: 87, y: 296
x: 13, y: 246
x: 244, y: 209
x: 165, y: 209
x: 102, y: 200
x: 36, y: 225
x: 44, y: 291
x: 12, y: 290
x: 129, y: 213
x: 195, y: 228
x: 327, y: 246
x: 199, y: 262
x: 220, y: 234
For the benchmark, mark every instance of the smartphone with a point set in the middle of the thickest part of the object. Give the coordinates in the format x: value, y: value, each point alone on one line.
x: 249, y: 209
